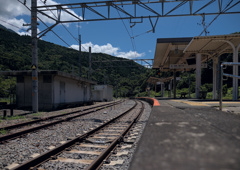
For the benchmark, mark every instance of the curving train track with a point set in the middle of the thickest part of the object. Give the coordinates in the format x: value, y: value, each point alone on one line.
x: 31, y: 126
x: 98, y: 144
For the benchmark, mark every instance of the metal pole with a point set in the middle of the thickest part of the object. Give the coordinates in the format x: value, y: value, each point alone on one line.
x: 34, y: 57
x: 174, y: 84
x: 90, y: 64
x: 189, y: 84
x: 198, y: 75
x: 221, y: 84
x: 80, y: 54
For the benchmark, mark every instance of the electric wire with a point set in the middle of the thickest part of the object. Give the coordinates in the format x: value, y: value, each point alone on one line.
x: 48, y: 27
x: 127, y: 30
x: 13, y: 25
x: 224, y: 10
x: 76, y: 39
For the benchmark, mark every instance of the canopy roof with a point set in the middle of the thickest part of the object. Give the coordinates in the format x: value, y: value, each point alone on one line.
x: 169, y: 51
x: 179, y: 50
x: 213, y: 45
x: 154, y: 80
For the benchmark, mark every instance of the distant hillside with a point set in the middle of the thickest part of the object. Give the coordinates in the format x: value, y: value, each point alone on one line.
x: 15, y: 54
x: 4, y: 28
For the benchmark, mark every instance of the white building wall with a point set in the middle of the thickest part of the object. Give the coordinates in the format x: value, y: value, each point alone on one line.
x: 74, y: 90
x: 105, y: 94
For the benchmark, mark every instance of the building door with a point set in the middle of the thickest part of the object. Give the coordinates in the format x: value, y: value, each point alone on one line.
x: 85, y: 92
x: 62, y: 92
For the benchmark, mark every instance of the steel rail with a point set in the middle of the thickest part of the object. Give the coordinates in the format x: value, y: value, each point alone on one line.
x: 48, y: 155
x: 97, y: 163
x: 52, y: 117
x: 23, y: 132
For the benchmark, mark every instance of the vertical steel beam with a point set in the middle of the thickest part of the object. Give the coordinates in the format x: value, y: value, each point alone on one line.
x: 189, y: 84
x: 80, y: 55
x: 215, y: 63
x: 174, y: 84
x: 34, y: 57
x: 235, y: 72
x: 198, y: 75
x: 90, y: 63
x: 162, y: 89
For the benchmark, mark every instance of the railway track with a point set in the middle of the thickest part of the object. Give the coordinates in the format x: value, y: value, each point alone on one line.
x: 98, y: 144
x: 24, y: 128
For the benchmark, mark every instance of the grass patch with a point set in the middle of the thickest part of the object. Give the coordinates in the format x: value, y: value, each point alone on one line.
x: 3, y: 132
x: 13, y: 117
x: 37, y: 114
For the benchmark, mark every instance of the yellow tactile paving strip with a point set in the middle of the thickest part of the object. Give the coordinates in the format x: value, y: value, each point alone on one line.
x: 190, y: 103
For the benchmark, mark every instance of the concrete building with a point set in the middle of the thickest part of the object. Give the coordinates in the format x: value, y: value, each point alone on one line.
x: 103, y: 93
x: 56, y: 89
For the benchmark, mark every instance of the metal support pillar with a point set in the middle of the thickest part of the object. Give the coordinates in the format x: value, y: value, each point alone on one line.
x: 215, y: 63
x: 34, y: 57
x: 155, y: 89
x: 189, y: 84
x: 80, y: 55
x: 174, y: 84
x: 90, y: 64
x: 170, y: 87
x: 162, y: 89
x: 235, y: 72
x: 198, y: 75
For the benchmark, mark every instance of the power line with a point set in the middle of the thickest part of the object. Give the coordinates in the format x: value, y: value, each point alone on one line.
x: 224, y: 10
x: 127, y: 31
x: 48, y: 27
x: 12, y: 25
x: 76, y: 39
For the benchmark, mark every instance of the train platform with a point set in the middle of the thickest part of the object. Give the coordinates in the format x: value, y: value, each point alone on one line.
x: 190, y: 134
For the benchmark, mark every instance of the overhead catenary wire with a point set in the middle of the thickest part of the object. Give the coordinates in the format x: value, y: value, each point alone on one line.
x: 13, y: 25
x: 76, y: 39
x: 48, y: 27
x: 230, y: 1
x: 126, y: 30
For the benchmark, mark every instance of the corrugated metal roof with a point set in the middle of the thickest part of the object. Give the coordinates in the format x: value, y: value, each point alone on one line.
x: 169, y: 51
x: 212, y: 45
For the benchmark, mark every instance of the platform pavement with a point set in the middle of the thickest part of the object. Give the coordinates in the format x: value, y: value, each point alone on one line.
x: 182, y: 136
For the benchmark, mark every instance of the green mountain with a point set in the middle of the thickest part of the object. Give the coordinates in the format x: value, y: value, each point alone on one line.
x: 15, y: 54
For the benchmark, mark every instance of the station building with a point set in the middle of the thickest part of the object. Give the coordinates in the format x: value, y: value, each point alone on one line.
x: 184, y: 54
x: 55, y: 89
x: 102, y: 93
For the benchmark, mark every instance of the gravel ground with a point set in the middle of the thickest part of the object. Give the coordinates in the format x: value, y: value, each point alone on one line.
x: 134, y: 136
x: 95, y: 141
x: 45, y: 122
x: 21, y: 116
x: 19, y: 150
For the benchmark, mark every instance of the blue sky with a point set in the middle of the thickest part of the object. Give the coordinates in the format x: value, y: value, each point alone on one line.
x: 111, y: 37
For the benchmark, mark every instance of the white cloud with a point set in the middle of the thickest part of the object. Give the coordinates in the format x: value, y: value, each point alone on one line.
x: 10, y: 9
x: 108, y: 49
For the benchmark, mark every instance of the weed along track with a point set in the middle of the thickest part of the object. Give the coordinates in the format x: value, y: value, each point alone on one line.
x: 17, y: 130
x: 90, y: 148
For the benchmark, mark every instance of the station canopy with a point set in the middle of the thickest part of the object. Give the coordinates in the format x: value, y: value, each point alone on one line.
x: 169, y: 51
x: 155, y: 80
x: 182, y: 51
x: 213, y: 45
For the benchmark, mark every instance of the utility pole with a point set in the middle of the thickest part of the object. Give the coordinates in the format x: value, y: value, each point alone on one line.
x: 80, y: 53
x: 34, y: 57
x: 90, y: 64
